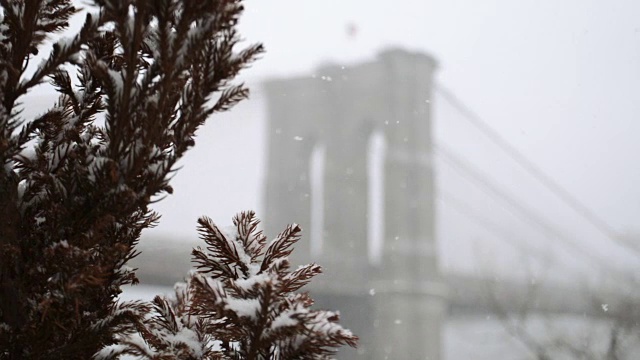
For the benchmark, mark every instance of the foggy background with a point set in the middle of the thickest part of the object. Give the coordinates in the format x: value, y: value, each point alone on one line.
x: 559, y: 81
x: 556, y: 83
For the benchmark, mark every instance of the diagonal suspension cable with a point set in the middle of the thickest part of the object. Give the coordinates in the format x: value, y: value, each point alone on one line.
x: 575, y: 204
x: 481, y: 180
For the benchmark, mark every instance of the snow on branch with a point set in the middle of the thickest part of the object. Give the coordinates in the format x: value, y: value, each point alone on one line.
x: 77, y: 182
x: 255, y: 313
x: 85, y: 172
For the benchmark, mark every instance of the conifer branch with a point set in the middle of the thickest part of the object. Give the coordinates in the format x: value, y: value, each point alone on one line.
x: 77, y: 183
x: 75, y: 192
x: 243, y: 315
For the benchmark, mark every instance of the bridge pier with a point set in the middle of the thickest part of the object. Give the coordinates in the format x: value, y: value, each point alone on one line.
x: 396, y: 304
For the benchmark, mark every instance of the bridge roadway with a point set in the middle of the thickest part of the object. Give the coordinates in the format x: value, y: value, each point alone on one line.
x: 163, y: 263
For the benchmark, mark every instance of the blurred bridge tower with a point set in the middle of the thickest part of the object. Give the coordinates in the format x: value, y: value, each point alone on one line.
x: 394, y: 299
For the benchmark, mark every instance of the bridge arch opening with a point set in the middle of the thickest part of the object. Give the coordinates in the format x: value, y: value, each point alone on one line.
x: 316, y: 182
x: 376, y: 153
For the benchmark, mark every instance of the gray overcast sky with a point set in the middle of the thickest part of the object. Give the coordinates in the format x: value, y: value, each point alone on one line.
x: 560, y: 80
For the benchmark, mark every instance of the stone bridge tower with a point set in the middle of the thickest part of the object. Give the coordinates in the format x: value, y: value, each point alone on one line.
x: 393, y: 298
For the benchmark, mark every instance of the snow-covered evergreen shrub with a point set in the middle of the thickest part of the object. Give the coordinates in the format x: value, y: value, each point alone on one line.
x: 76, y: 182
x: 241, y: 303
